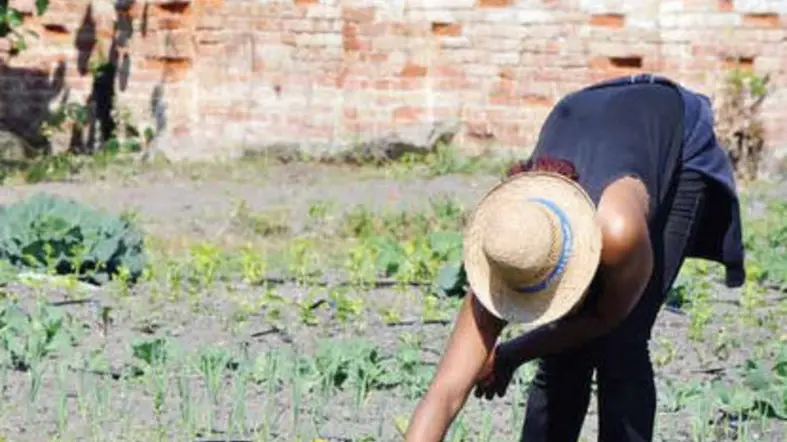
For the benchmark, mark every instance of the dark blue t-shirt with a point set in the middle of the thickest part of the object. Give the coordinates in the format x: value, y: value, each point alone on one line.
x: 657, y: 128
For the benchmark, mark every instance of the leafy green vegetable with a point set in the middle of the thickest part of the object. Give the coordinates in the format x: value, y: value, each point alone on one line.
x: 42, y: 6
x: 28, y: 339
x: 151, y: 352
x: 447, y: 249
x: 764, y: 238
x: 47, y: 232
x: 452, y: 280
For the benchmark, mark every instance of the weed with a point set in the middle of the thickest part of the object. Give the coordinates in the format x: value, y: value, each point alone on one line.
x: 253, y: 265
x: 151, y: 363
x: 212, y: 365
x: 318, y: 213
x: 271, y: 223
x: 185, y: 393
x: 346, y: 306
x: 446, y: 159
x: 205, y: 260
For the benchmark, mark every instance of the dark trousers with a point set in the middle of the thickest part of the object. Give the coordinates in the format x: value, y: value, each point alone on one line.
x: 560, y: 393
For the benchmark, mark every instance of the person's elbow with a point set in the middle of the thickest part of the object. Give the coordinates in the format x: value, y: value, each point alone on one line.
x: 628, y: 277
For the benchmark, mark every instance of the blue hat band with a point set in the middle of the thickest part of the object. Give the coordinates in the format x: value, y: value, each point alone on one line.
x: 565, y: 251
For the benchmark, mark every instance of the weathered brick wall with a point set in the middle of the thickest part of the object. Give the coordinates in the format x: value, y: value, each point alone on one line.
x: 227, y: 74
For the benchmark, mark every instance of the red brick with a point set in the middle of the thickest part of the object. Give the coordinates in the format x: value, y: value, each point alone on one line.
x: 288, y: 38
x: 56, y: 32
x: 171, y: 22
x: 373, y: 29
x: 411, y: 83
x: 762, y: 20
x: 725, y: 5
x: 401, y: 29
x: 413, y: 70
x: 407, y: 114
x: 506, y: 73
x: 385, y: 84
x: 458, y: 83
x: 182, y: 7
x: 446, y: 70
x: 360, y: 15
x: 446, y: 29
x: 538, y: 100
x: 374, y: 57
x: 618, y: 62
x: 206, y: 20
x: 508, y: 98
x: 171, y: 69
x: 608, y: 20
x: 494, y: 3
x: 210, y: 37
x: 743, y: 63
x: 172, y: 44
x: 350, y: 41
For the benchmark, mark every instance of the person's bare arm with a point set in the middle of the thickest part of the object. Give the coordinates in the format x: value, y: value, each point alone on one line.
x: 470, y: 344
x: 627, y: 263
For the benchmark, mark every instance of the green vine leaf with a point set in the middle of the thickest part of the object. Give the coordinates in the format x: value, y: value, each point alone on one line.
x: 42, y: 6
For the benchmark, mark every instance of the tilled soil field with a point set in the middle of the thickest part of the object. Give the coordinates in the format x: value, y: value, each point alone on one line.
x: 255, y: 323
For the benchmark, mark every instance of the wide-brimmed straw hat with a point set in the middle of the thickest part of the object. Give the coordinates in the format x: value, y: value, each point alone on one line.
x: 531, y: 248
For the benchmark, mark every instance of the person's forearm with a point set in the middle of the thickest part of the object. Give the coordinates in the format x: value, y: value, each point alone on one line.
x: 552, y: 338
x: 431, y: 419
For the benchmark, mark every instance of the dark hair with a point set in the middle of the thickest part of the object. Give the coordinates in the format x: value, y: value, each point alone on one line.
x: 545, y: 164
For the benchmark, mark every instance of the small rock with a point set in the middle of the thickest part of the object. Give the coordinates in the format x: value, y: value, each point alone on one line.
x: 13, y: 148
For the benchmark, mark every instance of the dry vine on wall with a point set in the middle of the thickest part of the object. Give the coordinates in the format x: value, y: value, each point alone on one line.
x: 738, y: 125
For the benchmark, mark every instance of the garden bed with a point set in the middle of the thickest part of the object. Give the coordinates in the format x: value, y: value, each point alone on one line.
x: 302, y: 302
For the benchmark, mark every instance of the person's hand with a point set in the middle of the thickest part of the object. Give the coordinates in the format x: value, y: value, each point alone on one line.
x: 495, y: 376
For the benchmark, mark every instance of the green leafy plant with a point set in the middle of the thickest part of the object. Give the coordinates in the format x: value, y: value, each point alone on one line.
x: 28, y: 338
x: 12, y: 20
x: 765, y: 240
x: 764, y: 388
x: 447, y: 251
x: 75, y: 113
x: 51, y: 233
x: 205, y: 260
x: 152, y: 357
x: 253, y: 265
x: 446, y: 159
x: 213, y: 362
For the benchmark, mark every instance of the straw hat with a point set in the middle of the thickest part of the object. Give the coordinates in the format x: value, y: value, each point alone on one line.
x: 531, y: 248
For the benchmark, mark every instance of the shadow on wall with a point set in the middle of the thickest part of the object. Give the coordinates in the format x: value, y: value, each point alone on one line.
x: 25, y: 97
x: 110, y: 70
x: 158, y: 108
x: 106, y: 69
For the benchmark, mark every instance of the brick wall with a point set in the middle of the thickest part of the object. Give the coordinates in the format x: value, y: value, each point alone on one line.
x: 219, y: 75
